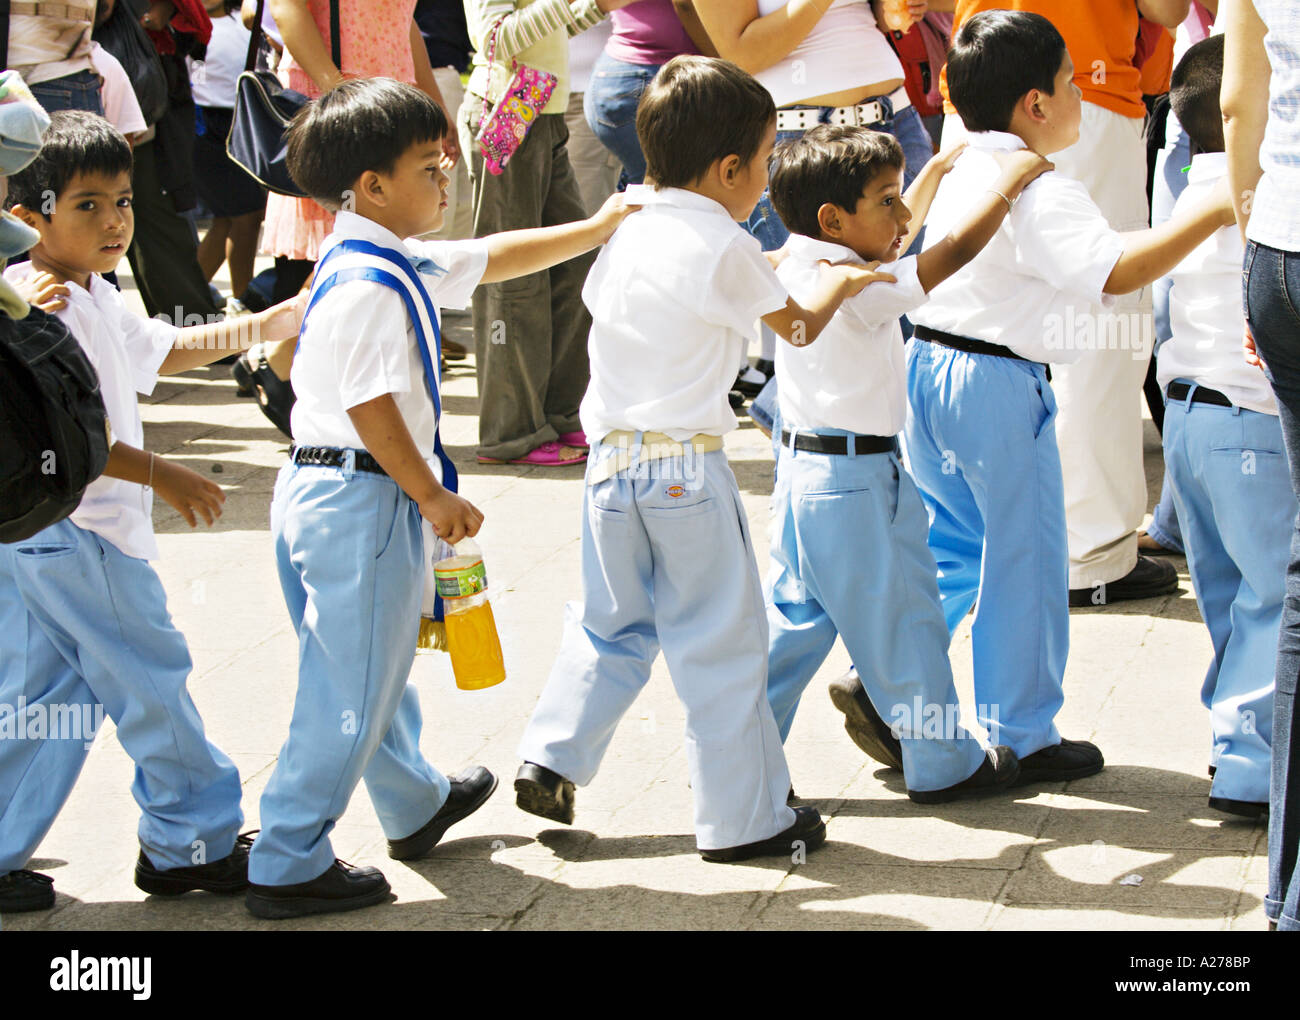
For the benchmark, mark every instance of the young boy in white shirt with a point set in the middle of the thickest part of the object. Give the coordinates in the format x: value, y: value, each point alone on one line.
x: 83, y: 617
x: 666, y: 555
x: 366, y: 466
x: 980, y: 434
x: 849, y: 552
x: 1225, y: 458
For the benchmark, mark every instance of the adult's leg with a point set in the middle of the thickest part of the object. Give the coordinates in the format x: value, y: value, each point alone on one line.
x: 594, y: 166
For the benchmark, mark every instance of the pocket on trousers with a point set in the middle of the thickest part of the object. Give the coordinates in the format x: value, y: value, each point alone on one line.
x: 45, y: 550
x: 673, y: 513
x: 1042, y: 404
x: 399, y: 503
x: 616, y: 108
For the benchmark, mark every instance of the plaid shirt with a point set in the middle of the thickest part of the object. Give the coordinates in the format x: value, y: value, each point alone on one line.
x: 1275, y: 216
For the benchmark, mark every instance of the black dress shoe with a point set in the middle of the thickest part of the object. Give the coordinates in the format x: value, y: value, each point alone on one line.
x: 863, y: 723
x: 736, y: 399
x: 469, y: 791
x: 274, y: 395
x: 539, y: 791
x: 22, y: 891
x: 808, y: 829
x: 1245, y: 808
x: 1151, y: 577
x: 224, y: 877
x: 1070, y: 759
x: 341, y: 887
x: 997, y: 771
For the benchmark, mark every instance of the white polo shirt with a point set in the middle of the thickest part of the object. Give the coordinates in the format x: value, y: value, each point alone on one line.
x: 359, y: 342
x: 854, y: 376
x: 127, y: 351
x: 673, y: 296
x: 1037, y: 286
x: 1205, y: 310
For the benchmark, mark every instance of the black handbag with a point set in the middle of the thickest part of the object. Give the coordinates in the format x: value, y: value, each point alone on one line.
x: 123, y: 37
x: 263, y: 110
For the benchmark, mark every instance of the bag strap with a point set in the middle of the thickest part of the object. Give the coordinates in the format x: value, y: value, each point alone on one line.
x: 492, y: 50
x: 257, y: 35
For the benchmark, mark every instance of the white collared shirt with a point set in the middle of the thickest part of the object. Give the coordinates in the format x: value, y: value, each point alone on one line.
x: 1037, y: 286
x: 1205, y: 310
x: 127, y: 350
x: 854, y: 375
x: 673, y: 296
x: 359, y: 342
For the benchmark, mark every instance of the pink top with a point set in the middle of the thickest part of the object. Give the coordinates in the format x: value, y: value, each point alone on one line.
x: 648, y: 32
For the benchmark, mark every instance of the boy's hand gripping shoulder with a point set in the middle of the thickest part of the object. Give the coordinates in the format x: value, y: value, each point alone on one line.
x: 43, y: 291
x: 799, y: 325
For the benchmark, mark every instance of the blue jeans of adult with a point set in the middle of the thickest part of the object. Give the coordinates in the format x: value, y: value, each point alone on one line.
x: 1272, y: 295
x: 1169, y: 184
x: 78, y: 91
x: 766, y: 225
x: 610, y: 105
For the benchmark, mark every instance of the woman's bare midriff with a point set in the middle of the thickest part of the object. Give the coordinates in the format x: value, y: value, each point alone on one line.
x: 853, y: 96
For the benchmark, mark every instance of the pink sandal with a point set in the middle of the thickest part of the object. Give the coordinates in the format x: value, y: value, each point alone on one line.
x: 578, y: 439
x: 550, y: 454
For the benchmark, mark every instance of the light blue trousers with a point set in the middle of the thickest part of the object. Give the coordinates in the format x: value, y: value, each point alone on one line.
x: 667, y: 561
x: 350, y: 557
x: 981, y: 444
x: 82, y: 625
x: 1233, y: 491
x: 849, y: 557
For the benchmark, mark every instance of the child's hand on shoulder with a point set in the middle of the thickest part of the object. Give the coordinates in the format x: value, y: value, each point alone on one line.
x: 43, y: 291
x: 615, y: 210
x: 946, y: 159
x: 854, y: 279
x: 279, y: 322
x: 452, y: 517
x: 188, y: 492
x: 1019, y: 167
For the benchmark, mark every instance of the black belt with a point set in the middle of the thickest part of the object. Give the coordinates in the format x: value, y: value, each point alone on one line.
x: 811, y: 442
x: 332, y: 456
x: 1201, y: 395
x: 970, y: 345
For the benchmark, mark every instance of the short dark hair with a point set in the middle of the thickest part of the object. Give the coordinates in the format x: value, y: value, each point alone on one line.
x: 828, y: 164
x: 76, y: 143
x: 697, y: 111
x: 1194, y: 94
x: 361, y: 124
x: 996, y: 58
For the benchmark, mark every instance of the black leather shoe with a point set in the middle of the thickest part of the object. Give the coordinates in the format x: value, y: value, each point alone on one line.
x: 274, y: 395
x: 1070, y: 759
x: 1151, y: 577
x: 539, y: 791
x: 808, y: 829
x: 470, y: 790
x: 863, y: 723
x: 1245, y: 808
x: 736, y: 399
x: 997, y: 771
x: 342, y: 887
x: 224, y: 877
x: 22, y: 891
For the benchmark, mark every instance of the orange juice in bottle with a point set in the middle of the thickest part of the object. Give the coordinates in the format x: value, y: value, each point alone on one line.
x: 472, y: 639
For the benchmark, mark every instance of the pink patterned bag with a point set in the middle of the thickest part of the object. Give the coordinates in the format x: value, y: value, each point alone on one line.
x: 527, y: 94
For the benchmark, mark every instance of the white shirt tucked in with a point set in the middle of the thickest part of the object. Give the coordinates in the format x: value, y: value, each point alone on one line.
x: 127, y: 350
x: 1205, y: 312
x: 359, y: 342
x: 854, y: 375
x: 673, y: 296
x: 1036, y: 288
x: 213, y: 78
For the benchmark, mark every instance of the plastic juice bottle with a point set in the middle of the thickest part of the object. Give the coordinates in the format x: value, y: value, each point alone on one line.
x: 472, y: 639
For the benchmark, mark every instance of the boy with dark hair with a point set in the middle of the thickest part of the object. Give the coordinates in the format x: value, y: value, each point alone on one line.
x: 849, y: 554
x: 367, y: 465
x: 1225, y: 458
x: 980, y: 432
x: 83, y: 617
x: 666, y: 555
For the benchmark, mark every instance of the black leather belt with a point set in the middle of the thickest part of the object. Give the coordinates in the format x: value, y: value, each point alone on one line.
x: 968, y: 344
x: 332, y: 456
x: 1201, y: 395
x: 810, y: 442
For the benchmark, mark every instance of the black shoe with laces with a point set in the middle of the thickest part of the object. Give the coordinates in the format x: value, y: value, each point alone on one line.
x: 470, y: 789
x: 22, y: 891
x: 341, y: 887
x: 224, y: 877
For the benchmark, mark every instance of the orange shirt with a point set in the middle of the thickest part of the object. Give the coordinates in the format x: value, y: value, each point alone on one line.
x: 1101, y: 36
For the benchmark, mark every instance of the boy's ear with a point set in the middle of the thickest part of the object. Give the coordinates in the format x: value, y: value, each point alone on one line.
x: 371, y: 185
x: 27, y: 216
x: 1032, y: 105
x: 728, y: 168
x: 830, y: 218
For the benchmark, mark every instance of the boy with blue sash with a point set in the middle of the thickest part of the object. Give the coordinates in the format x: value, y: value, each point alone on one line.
x: 366, y: 467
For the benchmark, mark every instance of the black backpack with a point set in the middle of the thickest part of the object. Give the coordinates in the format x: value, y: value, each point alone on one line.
x: 53, y: 427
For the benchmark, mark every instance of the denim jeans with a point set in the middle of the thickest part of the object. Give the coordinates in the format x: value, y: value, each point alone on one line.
x: 78, y: 91
x: 610, y: 106
x: 1271, y: 281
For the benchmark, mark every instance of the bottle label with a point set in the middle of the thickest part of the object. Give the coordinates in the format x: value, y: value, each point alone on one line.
x: 457, y: 581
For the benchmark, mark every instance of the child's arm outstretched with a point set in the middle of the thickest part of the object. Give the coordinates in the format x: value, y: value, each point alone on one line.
x: 968, y: 238
x: 201, y: 345
x: 1153, y: 253
x: 515, y: 253
x: 187, y: 491
x: 379, y: 424
x: 800, y: 325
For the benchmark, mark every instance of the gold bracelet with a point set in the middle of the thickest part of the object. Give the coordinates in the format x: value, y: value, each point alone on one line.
x: 1001, y: 196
